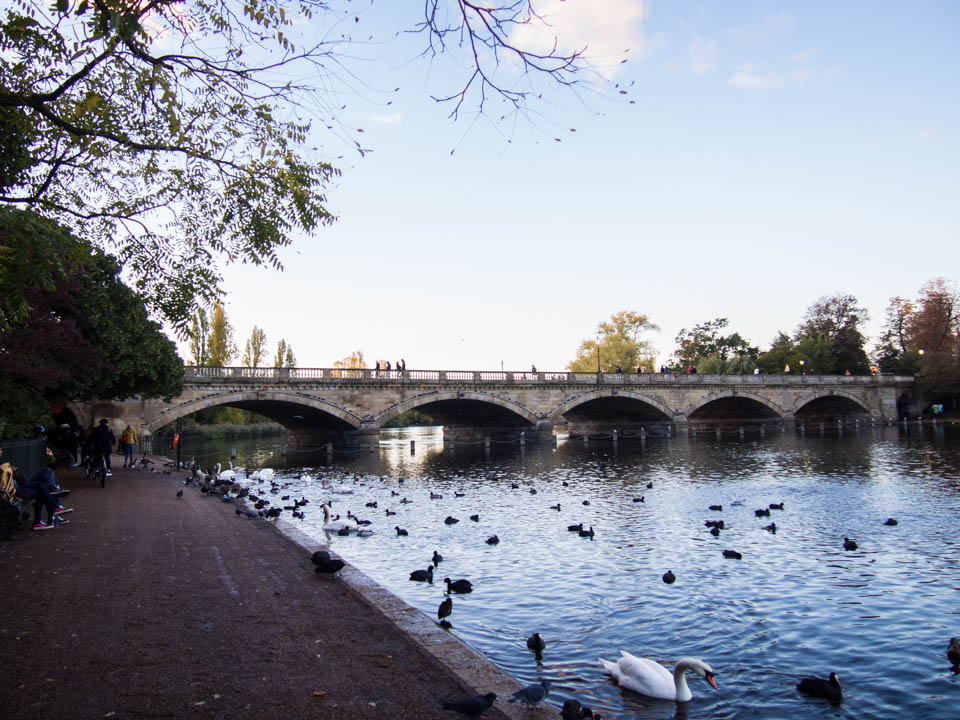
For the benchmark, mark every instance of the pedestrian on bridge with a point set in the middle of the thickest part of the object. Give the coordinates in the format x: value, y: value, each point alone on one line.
x: 129, y: 439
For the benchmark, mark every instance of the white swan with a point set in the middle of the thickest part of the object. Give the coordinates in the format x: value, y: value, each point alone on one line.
x: 337, y: 489
x: 653, y: 680
x: 335, y: 525
x: 262, y: 474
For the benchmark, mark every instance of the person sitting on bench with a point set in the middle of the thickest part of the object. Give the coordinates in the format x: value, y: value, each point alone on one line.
x: 39, y: 487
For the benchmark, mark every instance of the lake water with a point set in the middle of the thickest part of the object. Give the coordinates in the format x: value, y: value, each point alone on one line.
x: 796, y: 604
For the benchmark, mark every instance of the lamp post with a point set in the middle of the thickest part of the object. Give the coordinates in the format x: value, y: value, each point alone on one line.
x: 802, y: 369
x: 598, y: 359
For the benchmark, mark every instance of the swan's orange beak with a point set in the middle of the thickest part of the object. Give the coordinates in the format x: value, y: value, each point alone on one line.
x: 709, y: 678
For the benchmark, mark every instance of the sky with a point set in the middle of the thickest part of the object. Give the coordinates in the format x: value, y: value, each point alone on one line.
x: 765, y: 154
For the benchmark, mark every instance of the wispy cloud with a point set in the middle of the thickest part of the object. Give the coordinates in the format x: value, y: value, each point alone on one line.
x: 608, y: 30
x: 747, y: 77
x: 806, y: 55
x: 391, y: 119
x: 703, y: 54
x: 928, y: 135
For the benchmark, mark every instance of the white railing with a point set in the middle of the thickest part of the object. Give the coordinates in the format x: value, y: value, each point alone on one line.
x: 494, y: 377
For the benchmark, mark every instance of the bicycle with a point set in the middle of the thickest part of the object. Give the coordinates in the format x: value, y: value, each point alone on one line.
x: 98, y: 470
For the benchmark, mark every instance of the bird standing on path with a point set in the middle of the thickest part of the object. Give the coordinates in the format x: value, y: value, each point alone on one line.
x: 330, y: 567
x: 532, y: 694
x: 443, y: 612
x: 180, y: 492
x: 472, y: 707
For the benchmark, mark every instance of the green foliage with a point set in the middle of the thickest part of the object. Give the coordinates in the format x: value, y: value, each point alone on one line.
x: 255, y: 349
x: 716, y: 363
x: 221, y: 348
x: 199, y: 332
x: 284, y: 356
x: 704, y: 341
x: 83, y: 335
x: 619, y: 345
x: 835, y: 322
x: 173, y: 133
x: 410, y: 418
x: 782, y: 353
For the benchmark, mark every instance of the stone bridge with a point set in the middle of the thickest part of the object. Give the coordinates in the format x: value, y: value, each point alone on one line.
x: 320, y: 405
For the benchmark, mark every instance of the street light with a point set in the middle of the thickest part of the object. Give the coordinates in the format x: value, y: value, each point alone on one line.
x: 598, y: 354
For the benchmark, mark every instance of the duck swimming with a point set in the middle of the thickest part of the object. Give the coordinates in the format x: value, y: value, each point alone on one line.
x: 652, y: 679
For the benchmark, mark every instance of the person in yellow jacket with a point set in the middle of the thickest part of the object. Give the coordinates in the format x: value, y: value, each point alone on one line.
x: 129, y: 440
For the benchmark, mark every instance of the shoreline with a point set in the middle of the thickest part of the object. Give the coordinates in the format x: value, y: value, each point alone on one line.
x: 149, y: 605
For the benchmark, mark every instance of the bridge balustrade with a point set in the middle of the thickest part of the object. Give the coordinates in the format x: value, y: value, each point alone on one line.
x: 459, y: 377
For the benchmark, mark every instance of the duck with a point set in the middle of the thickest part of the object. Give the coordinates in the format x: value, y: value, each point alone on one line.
x: 335, y: 526
x: 458, y: 586
x: 536, y: 643
x: 716, y: 508
x: 575, y: 528
x: 475, y: 518
x: 669, y: 578
x: 828, y: 689
x: 437, y: 558
x: 953, y: 651
x: 639, y: 499
x: 732, y: 555
x: 775, y: 506
x: 423, y: 575
x: 762, y: 512
x: 652, y: 679
x: 450, y: 520
x: 849, y: 544
x: 555, y: 507
x: 446, y: 607
x: 587, y: 533
x: 772, y: 527
x: 890, y: 521
x: 493, y: 540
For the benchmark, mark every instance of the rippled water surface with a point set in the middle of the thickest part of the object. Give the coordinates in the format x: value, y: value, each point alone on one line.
x: 797, y: 604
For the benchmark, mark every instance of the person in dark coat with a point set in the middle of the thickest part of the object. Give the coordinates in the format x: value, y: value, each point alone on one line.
x: 100, y: 443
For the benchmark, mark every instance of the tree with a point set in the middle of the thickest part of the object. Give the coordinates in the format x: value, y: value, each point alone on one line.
x: 835, y: 320
x: 933, y: 330
x: 284, y: 356
x: 893, y: 348
x: 86, y: 336
x: 199, y: 332
x: 706, y: 341
x: 173, y: 132
x: 782, y: 353
x: 619, y: 345
x: 221, y: 348
x: 353, y: 361
x: 255, y: 349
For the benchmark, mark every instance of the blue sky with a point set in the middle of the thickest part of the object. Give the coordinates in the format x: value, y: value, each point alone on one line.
x: 774, y: 153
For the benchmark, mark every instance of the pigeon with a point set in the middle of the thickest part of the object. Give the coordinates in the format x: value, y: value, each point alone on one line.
x: 473, y: 706
x: 818, y: 687
x: 180, y: 492
x: 532, y: 694
x: 458, y: 586
x: 669, y: 578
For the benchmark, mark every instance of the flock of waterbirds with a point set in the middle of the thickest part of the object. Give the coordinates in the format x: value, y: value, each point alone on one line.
x: 633, y: 673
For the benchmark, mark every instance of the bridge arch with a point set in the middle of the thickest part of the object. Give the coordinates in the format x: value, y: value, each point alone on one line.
x: 734, y: 393
x: 455, y: 396
x: 814, y: 396
x: 251, y: 397
x: 557, y: 415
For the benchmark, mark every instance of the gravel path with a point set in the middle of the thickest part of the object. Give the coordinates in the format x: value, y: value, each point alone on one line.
x: 151, y: 606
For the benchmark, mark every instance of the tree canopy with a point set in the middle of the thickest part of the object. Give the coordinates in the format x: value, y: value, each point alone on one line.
x: 85, y: 334
x: 834, y: 322
x: 177, y: 133
x: 707, y: 349
x: 619, y: 345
